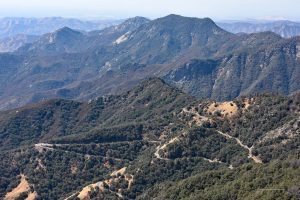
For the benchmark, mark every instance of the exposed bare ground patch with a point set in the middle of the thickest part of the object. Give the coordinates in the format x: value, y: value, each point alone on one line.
x: 40, y: 147
x: 176, y: 139
x: 129, y: 179
x: 119, y: 172
x: 21, y: 188
x: 248, y: 103
x: 40, y: 165
x: 249, y: 149
x: 213, y: 161
x: 298, y: 52
x: 84, y: 193
x: 31, y: 196
x: 288, y: 131
x: 115, y: 177
x: 225, y: 108
x: 121, y: 39
x: 197, y: 119
x: 163, y: 147
x: 74, y: 168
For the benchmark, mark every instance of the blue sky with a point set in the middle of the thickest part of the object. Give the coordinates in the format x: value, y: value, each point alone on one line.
x: 216, y: 9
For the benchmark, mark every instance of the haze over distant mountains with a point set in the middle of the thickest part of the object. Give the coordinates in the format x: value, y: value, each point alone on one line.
x: 15, y: 32
x: 193, y: 54
x: 11, y: 26
x: 284, y: 28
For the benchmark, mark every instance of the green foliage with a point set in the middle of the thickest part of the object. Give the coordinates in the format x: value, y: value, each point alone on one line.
x: 276, y: 180
x: 91, y: 140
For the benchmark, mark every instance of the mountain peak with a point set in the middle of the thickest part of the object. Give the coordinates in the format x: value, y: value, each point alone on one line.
x: 153, y: 81
x: 173, y: 16
x: 189, y: 24
x: 132, y: 23
x: 155, y: 85
x: 179, y: 18
x: 64, y: 35
x: 62, y: 40
x: 137, y: 19
x: 66, y: 31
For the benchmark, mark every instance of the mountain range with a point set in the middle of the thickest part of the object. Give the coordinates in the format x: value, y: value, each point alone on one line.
x: 11, y: 26
x: 193, y: 54
x: 171, y: 108
x: 16, y: 32
x: 152, y: 142
x: 284, y: 28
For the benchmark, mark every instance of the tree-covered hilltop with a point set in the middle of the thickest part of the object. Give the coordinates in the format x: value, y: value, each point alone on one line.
x: 153, y: 142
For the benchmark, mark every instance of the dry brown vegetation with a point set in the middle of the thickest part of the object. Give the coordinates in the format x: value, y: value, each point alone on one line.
x: 21, y: 188
x: 115, y: 177
x: 228, y: 108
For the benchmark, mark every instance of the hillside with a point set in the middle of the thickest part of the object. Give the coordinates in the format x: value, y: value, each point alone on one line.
x: 10, y: 44
x: 192, y: 54
x: 152, y: 142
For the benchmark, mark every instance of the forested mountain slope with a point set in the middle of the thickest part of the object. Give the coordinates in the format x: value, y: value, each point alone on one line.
x: 152, y: 142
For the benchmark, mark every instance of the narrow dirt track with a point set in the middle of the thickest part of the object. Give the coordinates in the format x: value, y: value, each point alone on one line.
x: 249, y: 149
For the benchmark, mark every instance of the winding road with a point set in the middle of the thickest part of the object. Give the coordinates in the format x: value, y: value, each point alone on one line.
x: 249, y: 149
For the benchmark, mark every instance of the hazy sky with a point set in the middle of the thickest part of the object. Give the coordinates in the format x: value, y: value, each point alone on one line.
x: 216, y: 9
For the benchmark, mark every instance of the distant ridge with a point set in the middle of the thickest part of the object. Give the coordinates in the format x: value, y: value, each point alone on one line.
x: 193, y: 54
x: 11, y: 26
x: 284, y: 28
